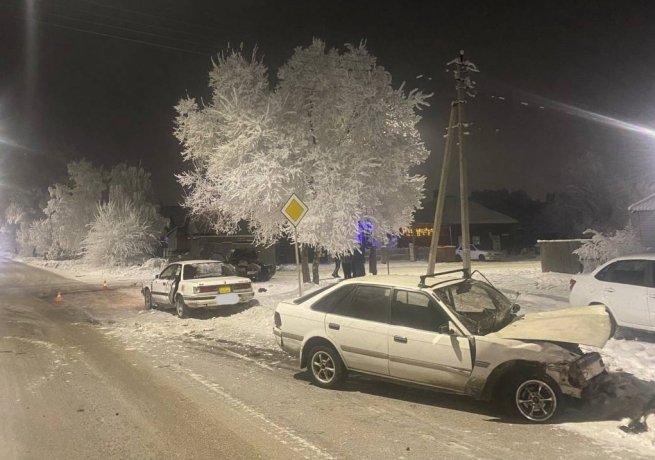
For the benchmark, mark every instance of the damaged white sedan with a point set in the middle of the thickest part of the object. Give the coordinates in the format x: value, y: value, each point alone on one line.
x: 458, y: 334
x: 193, y: 284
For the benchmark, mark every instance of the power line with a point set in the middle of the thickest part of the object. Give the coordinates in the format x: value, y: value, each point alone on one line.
x: 140, y: 23
x: 118, y: 37
x: 142, y: 13
x: 127, y: 29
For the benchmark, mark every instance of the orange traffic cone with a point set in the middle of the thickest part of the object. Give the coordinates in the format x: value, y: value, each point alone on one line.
x: 104, y: 284
x: 59, y: 298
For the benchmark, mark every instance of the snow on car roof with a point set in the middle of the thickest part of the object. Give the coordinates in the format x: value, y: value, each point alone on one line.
x: 199, y: 261
x: 395, y: 280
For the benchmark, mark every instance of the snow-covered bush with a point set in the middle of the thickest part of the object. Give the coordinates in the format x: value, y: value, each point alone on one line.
x: 120, y: 233
x: 601, y: 247
x: 334, y: 131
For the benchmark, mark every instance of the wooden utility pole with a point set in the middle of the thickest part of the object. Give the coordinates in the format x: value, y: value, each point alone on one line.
x: 464, y: 87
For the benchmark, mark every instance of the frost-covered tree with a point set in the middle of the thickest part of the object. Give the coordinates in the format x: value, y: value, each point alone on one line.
x: 24, y: 209
x: 334, y: 131
x: 119, y: 233
x: 71, y: 208
x: 603, y: 247
x: 128, y: 226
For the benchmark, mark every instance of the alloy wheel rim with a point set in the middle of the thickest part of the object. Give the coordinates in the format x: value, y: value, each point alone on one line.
x: 323, y: 367
x: 536, y: 400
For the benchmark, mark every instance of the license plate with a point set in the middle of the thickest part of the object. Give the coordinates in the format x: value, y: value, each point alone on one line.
x: 224, y: 289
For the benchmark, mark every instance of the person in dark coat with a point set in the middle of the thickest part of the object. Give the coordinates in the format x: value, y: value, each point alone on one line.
x: 358, y: 262
x: 337, y: 265
x: 346, y: 264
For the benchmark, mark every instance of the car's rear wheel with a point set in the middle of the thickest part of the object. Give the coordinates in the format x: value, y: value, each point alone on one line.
x: 325, y: 367
x: 147, y: 299
x: 481, y: 257
x: 181, y: 308
x: 535, y: 397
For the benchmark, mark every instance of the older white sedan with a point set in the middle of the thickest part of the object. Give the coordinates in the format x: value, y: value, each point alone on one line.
x: 194, y: 284
x: 459, y: 335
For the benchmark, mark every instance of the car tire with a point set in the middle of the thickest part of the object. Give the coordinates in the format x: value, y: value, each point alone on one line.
x: 458, y: 258
x: 325, y: 367
x: 481, y: 258
x: 181, y: 308
x: 534, y: 397
x: 147, y: 299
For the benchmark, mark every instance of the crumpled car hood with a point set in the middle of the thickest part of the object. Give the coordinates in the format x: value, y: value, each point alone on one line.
x: 579, y: 325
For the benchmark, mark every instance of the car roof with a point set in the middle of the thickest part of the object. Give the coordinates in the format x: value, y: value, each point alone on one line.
x: 195, y: 261
x: 644, y: 256
x: 406, y: 281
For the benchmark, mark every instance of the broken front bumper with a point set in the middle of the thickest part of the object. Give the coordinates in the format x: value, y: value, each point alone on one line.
x: 585, y: 368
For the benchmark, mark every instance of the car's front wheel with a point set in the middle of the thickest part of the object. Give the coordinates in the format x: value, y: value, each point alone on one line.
x: 147, y: 299
x: 535, y: 397
x: 181, y: 308
x: 325, y: 367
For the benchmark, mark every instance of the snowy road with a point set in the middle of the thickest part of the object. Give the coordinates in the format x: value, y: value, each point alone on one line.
x: 96, y: 377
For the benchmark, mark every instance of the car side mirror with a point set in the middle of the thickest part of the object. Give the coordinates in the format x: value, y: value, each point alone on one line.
x: 447, y: 329
x: 515, y: 308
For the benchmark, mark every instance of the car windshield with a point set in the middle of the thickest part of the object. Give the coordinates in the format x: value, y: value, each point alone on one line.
x: 481, y: 308
x: 207, y: 270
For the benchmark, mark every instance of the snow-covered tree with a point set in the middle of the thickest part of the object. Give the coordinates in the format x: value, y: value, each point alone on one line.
x: 128, y: 226
x: 602, y: 247
x: 119, y: 233
x: 334, y: 131
x: 72, y: 207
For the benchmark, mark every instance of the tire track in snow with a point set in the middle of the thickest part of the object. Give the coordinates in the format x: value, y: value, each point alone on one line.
x: 285, y: 435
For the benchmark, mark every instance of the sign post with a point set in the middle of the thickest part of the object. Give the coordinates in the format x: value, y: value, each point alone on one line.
x: 294, y: 210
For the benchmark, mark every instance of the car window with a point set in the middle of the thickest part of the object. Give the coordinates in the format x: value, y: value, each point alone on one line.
x: 365, y: 302
x: 327, y: 303
x: 311, y: 294
x: 416, y: 310
x: 479, y: 306
x: 169, y: 272
x: 207, y: 270
x: 631, y: 272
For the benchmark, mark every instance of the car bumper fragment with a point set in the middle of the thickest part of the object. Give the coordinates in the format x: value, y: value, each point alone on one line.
x: 585, y: 368
x: 210, y: 301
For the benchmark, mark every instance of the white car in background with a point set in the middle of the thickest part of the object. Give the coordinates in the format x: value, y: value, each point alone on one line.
x: 458, y: 335
x: 625, y: 286
x: 479, y: 254
x: 194, y: 284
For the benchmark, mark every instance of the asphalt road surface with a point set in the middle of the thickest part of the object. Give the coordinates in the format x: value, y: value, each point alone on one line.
x: 69, y: 390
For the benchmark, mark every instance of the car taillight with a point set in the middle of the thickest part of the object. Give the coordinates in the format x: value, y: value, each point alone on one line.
x: 571, y: 284
x: 277, y: 320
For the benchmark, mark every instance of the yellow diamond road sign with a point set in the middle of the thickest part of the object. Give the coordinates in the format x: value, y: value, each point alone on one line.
x: 294, y: 210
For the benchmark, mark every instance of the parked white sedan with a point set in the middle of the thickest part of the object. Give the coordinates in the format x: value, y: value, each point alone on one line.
x: 479, y: 254
x: 626, y: 286
x: 459, y: 335
x: 197, y: 284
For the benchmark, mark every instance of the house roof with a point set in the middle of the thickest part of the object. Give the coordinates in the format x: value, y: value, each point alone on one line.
x: 478, y: 214
x: 646, y: 204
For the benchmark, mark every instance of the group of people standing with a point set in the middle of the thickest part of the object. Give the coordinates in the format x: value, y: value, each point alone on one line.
x: 353, y: 265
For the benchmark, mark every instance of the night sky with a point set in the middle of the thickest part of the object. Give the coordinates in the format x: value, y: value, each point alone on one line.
x: 86, y: 86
